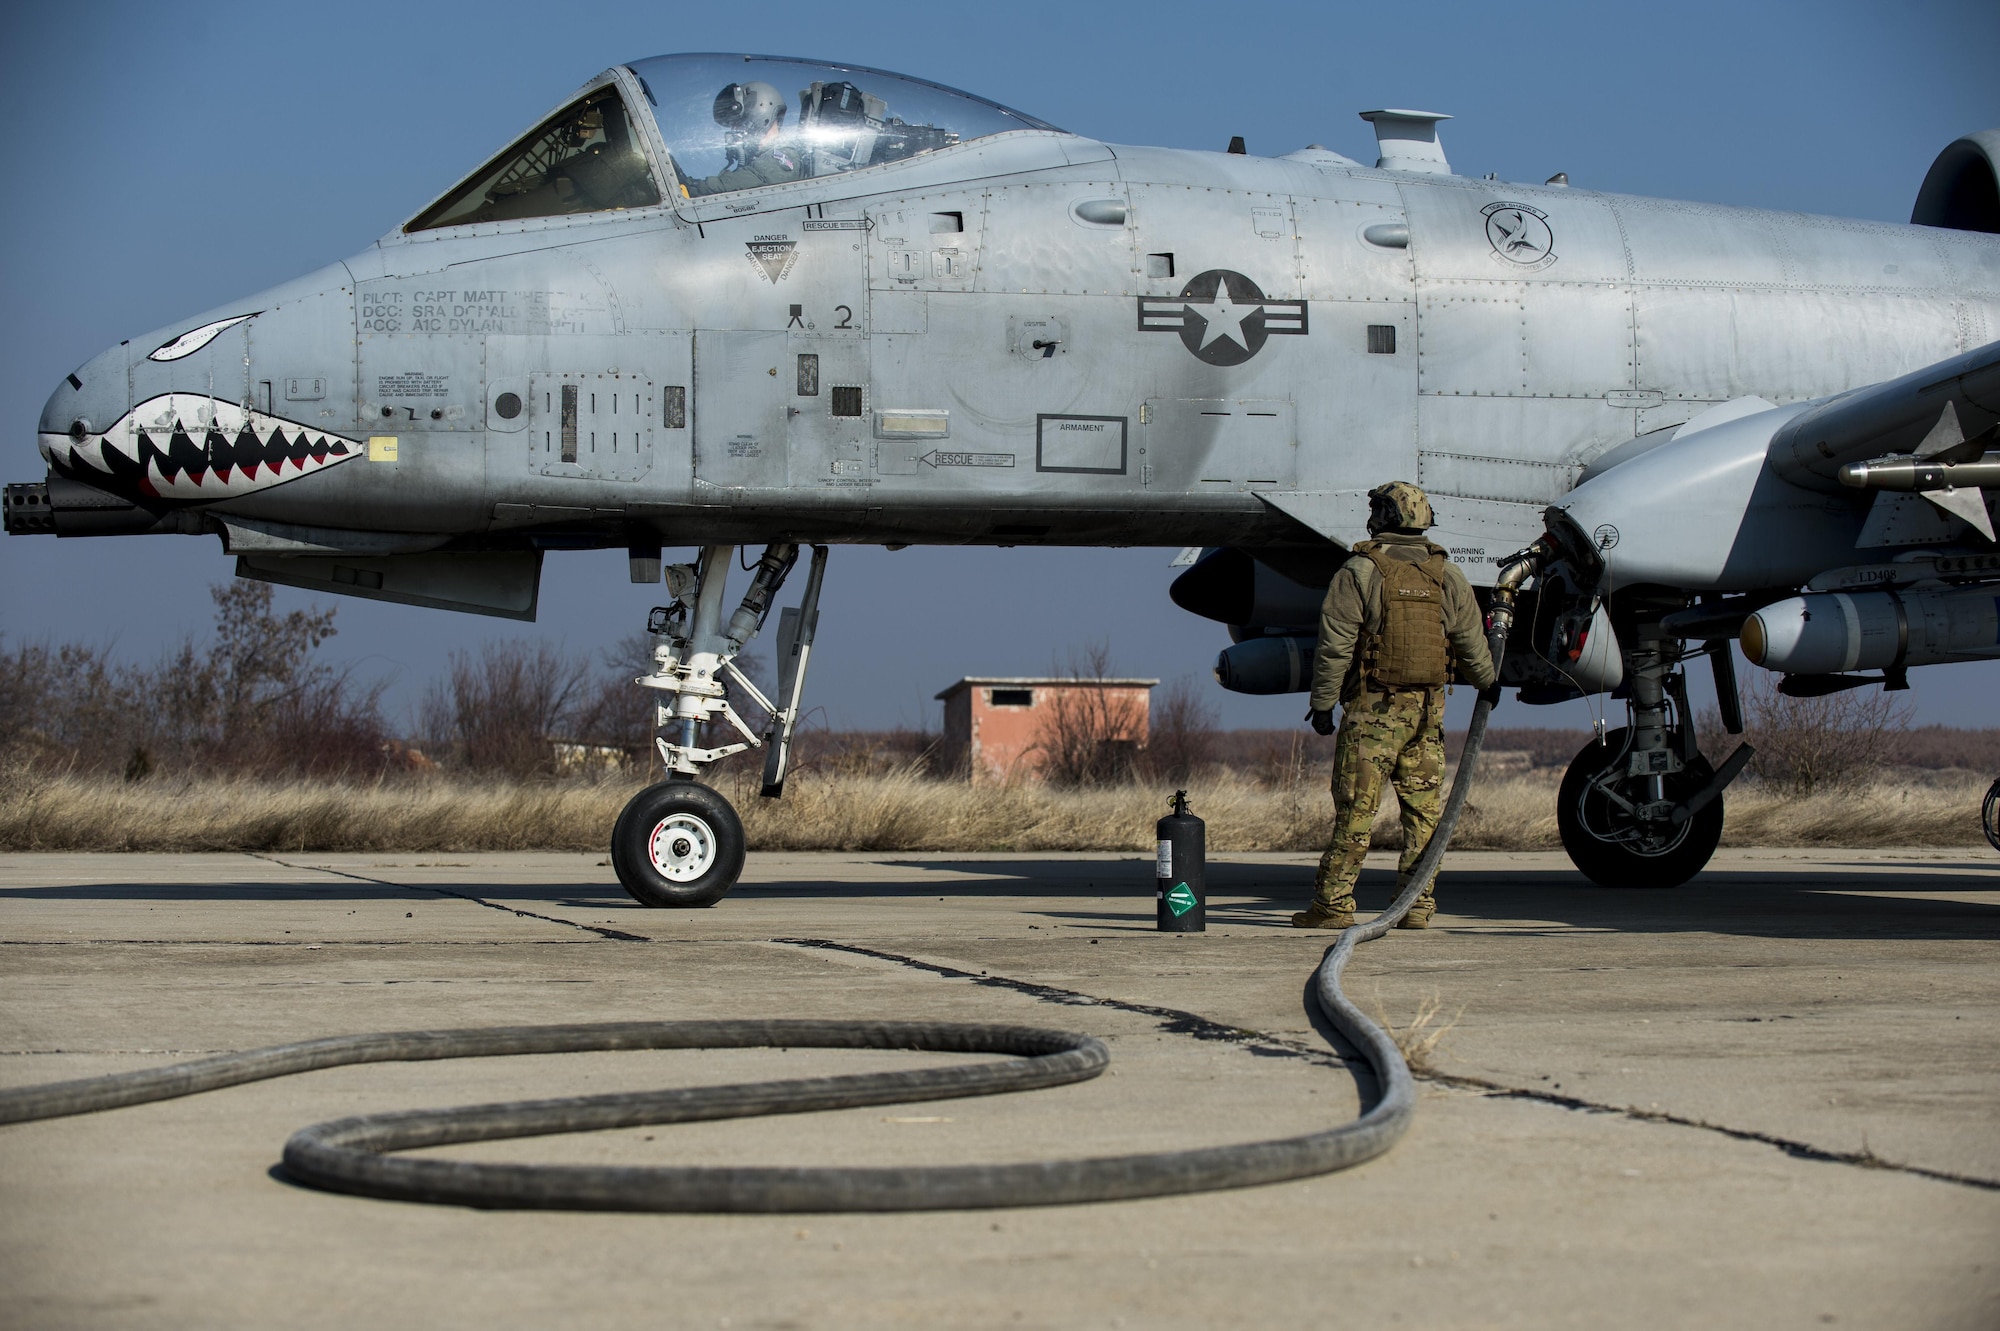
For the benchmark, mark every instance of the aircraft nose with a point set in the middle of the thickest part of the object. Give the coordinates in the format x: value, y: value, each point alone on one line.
x: 88, y: 399
x: 187, y: 414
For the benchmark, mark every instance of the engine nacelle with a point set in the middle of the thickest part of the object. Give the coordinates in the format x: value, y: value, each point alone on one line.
x: 1232, y: 586
x: 1267, y: 665
x: 1962, y: 190
x: 1830, y: 633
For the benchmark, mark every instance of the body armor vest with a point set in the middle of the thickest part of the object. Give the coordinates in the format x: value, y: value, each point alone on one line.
x: 1410, y: 650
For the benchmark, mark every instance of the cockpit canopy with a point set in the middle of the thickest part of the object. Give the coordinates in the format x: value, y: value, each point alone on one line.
x: 829, y: 118
x: 584, y: 159
x: 729, y: 122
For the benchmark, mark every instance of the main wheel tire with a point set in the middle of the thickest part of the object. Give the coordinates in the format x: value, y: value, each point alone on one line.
x: 1989, y: 815
x: 1609, y: 847
x: 678, y: 844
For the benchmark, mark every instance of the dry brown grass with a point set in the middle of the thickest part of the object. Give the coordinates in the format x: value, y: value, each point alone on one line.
x: 897, y: 812
x: 1419, y: 1040
x: 1909, y: 809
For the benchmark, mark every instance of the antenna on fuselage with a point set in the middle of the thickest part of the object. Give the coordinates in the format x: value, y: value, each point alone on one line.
x: 1408, y: 141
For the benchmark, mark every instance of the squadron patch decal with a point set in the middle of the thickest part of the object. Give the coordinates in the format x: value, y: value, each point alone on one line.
x: 1222, y: 316
x: 1520, y: 235
x: 773, y: 256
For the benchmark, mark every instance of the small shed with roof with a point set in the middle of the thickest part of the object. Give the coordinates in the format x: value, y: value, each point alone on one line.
x: 1011, y: 727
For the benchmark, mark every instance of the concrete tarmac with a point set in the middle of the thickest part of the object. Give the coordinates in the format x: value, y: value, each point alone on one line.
x: 1767, y: 1099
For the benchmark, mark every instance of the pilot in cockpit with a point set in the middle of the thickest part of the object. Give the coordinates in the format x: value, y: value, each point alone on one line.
x: 752, y: 116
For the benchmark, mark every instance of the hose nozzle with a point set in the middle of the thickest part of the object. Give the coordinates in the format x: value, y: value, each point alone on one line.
x: 1515, y: 569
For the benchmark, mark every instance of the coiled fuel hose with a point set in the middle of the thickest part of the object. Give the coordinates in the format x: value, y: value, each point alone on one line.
x: 357, y: 1154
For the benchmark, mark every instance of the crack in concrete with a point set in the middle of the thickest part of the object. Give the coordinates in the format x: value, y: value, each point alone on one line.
x: 1173, y: 1020
x: 1178, y: 1022
x: 613, y: 934
x: 1863, y: 1159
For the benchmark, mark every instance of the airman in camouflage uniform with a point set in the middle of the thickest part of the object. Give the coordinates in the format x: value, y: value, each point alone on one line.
x: 1398, y: 617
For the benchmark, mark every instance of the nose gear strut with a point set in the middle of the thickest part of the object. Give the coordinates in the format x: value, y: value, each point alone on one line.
x: 679, y: 843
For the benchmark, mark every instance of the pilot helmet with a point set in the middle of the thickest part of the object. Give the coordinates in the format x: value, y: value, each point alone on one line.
x: 586, y: 126
x: 747, y: 111
x: 1398, y: 506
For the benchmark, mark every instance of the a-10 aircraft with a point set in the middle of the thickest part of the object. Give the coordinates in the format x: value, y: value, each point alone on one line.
x: 726, y: 300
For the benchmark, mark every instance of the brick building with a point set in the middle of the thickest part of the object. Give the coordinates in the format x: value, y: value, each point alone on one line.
x: 1011, y: 728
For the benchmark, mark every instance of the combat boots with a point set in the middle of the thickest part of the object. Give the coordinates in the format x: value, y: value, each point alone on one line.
x: 1319, y: 916
x: 1419, y: 914
x: 1421, y: 910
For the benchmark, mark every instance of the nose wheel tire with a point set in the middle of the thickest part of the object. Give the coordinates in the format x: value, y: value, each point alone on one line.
x: 1989, y: 815
x: 678, y: 844
x: 1603, y: 817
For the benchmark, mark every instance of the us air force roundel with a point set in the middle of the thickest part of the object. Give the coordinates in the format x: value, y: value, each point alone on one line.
x: 1222, y: 316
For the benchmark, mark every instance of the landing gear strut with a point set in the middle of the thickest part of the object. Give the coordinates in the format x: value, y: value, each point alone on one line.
x: 1643, y: 808
x: 679, y: 843
x: 1612, y: 825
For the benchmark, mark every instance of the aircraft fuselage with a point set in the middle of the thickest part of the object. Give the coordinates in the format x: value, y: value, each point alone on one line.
x: 1031, y: 337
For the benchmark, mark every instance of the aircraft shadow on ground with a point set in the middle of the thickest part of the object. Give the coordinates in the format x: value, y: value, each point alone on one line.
x: 1828, y: 900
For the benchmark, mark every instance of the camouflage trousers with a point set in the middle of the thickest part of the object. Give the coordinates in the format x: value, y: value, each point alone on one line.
x: 1398, y: 738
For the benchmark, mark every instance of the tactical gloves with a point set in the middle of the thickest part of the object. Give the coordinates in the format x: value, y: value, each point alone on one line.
x: 1322, y: 721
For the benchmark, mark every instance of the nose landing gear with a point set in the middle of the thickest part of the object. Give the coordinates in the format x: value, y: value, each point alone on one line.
x: 679, y: 843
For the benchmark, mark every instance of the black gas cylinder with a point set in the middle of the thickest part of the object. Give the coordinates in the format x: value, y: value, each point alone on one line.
x: 1181, y: 895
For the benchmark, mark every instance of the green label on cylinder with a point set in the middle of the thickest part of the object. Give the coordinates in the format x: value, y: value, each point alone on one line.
x: 1179, y: 900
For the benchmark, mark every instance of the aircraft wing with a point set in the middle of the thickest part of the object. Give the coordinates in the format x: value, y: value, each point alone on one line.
x: 1930, y: 413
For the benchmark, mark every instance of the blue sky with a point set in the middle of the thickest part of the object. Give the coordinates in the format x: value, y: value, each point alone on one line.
x: 163, y: 159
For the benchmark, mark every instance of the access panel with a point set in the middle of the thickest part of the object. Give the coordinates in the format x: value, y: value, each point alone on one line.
x: 743, y: 383
x: 591, y: 425
x: 1203, y: 444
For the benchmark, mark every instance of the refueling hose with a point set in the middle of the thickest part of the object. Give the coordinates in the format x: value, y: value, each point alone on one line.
x: 353, y: 1155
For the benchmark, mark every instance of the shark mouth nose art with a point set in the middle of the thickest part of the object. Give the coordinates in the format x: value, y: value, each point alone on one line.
x: 188, y: 446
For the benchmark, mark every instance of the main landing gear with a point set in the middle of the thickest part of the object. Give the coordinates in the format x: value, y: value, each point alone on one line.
x: 1643, y: 808
x: 679, y: 843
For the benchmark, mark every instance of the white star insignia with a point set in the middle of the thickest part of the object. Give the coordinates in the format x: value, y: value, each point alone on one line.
x: 1223, y: 317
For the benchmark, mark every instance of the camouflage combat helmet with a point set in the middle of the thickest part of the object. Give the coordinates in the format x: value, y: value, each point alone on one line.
x: 1398, y: 506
